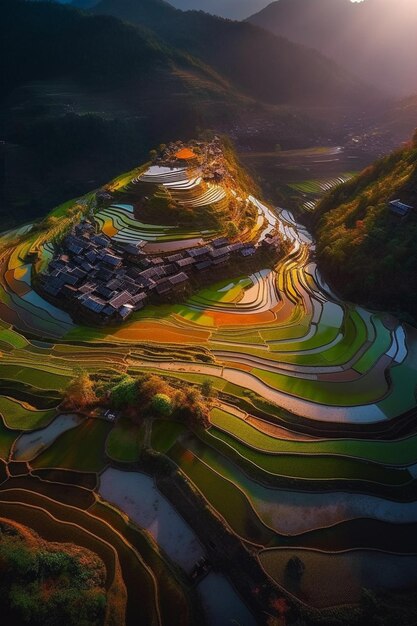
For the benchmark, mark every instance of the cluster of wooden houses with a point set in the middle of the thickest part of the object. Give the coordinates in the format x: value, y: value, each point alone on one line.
x: 103, y: 282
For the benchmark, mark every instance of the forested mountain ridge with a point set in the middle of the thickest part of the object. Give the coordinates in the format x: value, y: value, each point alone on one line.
x: 365, y: 250
x: 86, y: 96
x: 268, y: 68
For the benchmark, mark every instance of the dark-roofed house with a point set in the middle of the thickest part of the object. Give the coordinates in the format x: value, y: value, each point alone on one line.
x: 169, y: 268
x: 87, y: 288
x: 52, y: 287
x: 172, y: 258
x: 92, y: 303
x: 219, y: 252
x: 105, y: 292
x: 93, y: 256
x: 163, y: 286
x: 74, y: 247
x: 112, y: 260
x: 125, y: 311
x: 221, y: 260
x: 198, y: 252
x: 114, y: 284
x: 120, y: 299
x: 133, y: 248
x: 139, y: 300
x: 248, y: 251
x: 156, y: 261
x: 179, y: 280
x: 185, y: 262
x: 77, y: 242
x: 399, y: 208
x: 151, y: 272
x: 101, y: 240
x: 234, y: 247
x: 133, y: 272
x: 67, y: 278
x: 86, y: 266
x: 203, y: 266
x: 220, y: 242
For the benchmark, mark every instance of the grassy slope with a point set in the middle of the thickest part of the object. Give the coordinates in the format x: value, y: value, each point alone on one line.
x: 368, y: 253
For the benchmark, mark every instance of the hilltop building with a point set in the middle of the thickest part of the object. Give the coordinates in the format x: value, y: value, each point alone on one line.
x: 185, y: 154
x: 399, y: 208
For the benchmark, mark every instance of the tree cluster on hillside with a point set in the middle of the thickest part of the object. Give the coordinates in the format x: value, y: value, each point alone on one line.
x: 152, y: 395
x: 140, y: 396
x: 43, y: 586
x: 367, y: 251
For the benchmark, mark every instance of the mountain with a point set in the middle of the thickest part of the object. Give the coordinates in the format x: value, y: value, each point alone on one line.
x: 368, y: 252
x: 265, y: 67
x: 232, y: 9
x: 374, y: 39
x: 83, y: 96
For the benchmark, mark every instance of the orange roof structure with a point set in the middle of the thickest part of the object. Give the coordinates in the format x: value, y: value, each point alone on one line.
x: 185, y: 154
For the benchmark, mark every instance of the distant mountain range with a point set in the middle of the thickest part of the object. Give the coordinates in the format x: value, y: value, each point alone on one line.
x: 231, y: 9
x: 260, y: 65
x: 374, y: 39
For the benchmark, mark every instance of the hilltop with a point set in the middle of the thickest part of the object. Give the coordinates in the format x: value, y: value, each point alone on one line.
x: 361, y: 36
x: 155, y: 235
x: 366, y: 250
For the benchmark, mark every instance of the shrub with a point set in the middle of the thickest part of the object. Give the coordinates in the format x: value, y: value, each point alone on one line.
x: 162, y: 405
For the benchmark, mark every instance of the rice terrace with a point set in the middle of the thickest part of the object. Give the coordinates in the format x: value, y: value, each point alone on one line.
x: 185, y: 399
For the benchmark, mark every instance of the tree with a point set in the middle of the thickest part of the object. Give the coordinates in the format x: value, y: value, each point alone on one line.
x: 207, y: 388
x: 125, y: 393
x: 162, y: 405
x: 231, y: 230
x: 295, y: 569
x: 151, y: 386
x: 80, y: 393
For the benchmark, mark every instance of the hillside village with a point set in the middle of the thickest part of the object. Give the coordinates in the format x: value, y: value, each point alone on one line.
x: 102, y: 280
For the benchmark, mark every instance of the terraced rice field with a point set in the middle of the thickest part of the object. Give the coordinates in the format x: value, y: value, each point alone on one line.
x: 311, y: 446
x: 312, y: 190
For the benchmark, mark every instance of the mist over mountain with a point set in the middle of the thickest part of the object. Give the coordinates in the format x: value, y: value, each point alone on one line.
x: 263, y: 66
x: 374, y: 39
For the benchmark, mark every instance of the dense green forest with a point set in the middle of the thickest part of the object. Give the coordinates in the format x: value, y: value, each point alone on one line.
x: 368, y: 252
x: 43, y: 585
